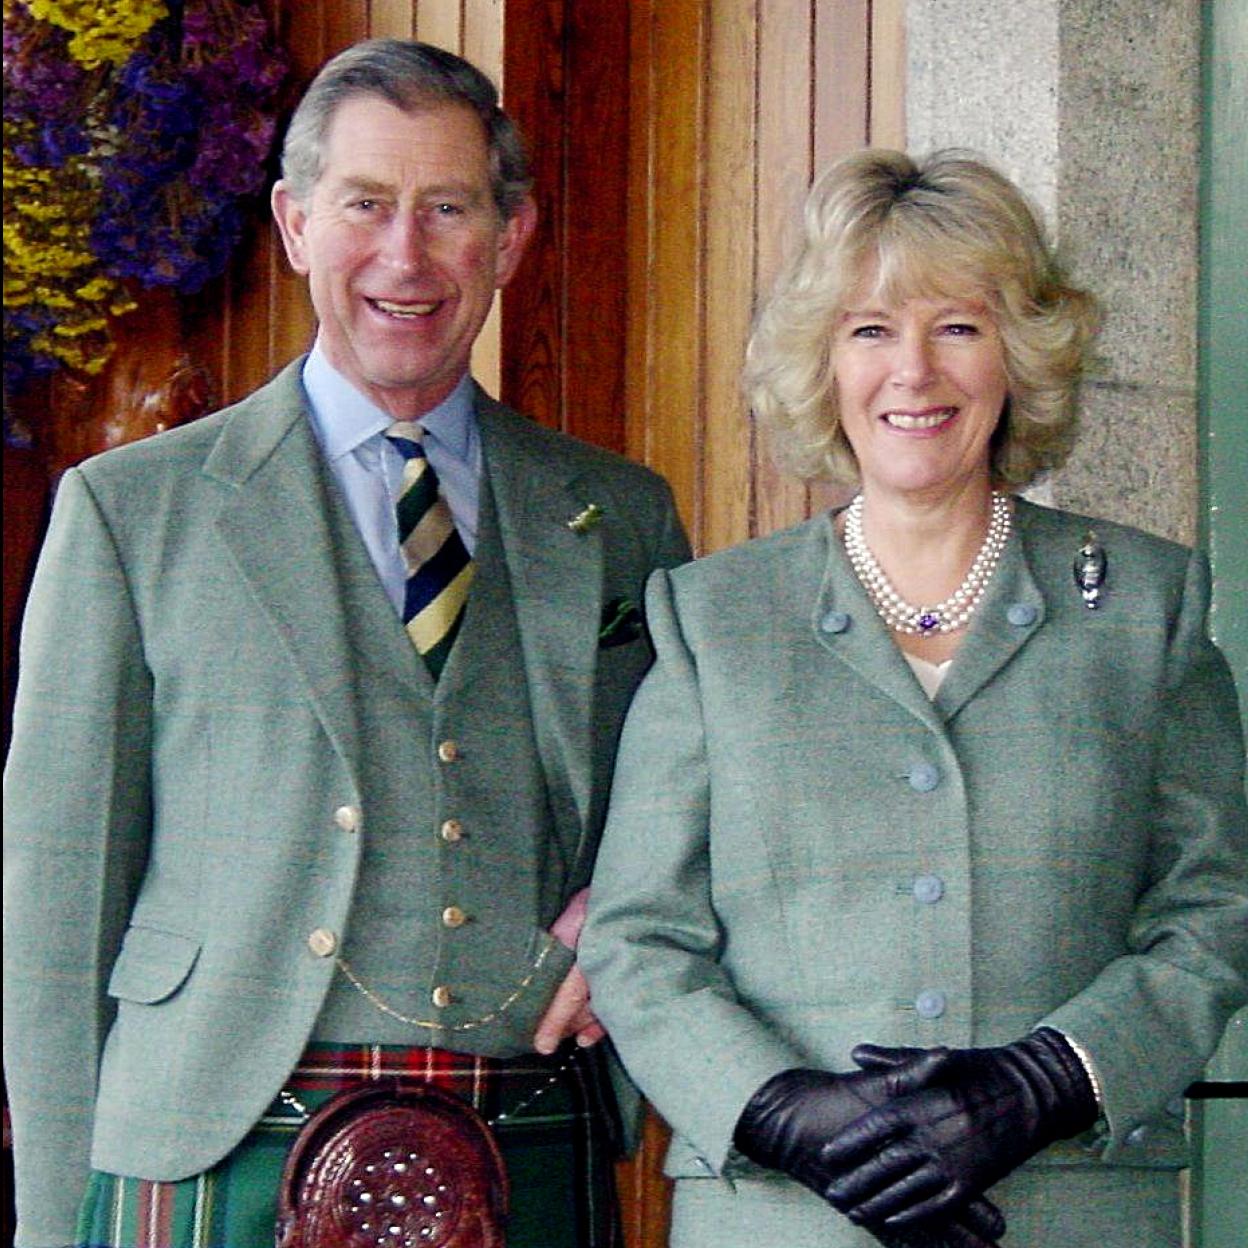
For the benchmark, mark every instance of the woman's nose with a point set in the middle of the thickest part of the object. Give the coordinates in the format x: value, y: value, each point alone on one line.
x: 914, y: 361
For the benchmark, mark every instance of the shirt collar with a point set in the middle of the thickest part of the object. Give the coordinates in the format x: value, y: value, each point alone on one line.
x: 343, y: 418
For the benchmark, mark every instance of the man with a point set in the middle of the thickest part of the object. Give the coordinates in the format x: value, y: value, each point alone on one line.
x: 308, y: 772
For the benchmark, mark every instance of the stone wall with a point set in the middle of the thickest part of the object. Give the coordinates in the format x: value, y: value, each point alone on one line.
x: 1092, y: 106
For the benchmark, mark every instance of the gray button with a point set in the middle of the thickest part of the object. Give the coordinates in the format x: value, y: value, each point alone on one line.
x: 929, y: 888
x: 1021, y: 614
x: 834, y: 622
x: 322, y: 942
x: 923, y: 777
x: 930, y: 1003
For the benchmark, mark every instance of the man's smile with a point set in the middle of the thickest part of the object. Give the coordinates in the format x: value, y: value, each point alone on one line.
x: 404, y: 310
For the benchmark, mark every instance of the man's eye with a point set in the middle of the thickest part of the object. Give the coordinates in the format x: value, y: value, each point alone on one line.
x: 364, y: 205
x: 448, y: 209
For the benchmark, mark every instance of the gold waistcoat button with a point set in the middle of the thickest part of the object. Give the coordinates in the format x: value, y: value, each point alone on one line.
x: 322, y: 942
x: 448, y: 751
x: 451, y: 830
x: 349, y: 818
x: 441, y: 996
x: 453, y: 916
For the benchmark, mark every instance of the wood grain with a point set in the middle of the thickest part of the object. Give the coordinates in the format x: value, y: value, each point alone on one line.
x: 729, y: 197
x: 672, y: 140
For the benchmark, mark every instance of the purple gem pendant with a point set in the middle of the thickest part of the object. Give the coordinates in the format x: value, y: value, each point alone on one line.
x: 927, y: 622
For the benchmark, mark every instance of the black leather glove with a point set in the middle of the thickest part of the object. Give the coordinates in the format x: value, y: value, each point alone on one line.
x: 789, y: 1120
x: 929, y: 1151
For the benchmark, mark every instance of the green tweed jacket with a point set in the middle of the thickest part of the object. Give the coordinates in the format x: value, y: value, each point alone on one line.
x: 803, y: 852
x: 188, y: 725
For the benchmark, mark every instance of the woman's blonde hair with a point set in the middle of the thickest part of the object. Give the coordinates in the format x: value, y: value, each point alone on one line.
x: 946, y: 226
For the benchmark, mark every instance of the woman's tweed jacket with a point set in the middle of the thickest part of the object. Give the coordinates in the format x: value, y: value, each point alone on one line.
x: 804, y: 852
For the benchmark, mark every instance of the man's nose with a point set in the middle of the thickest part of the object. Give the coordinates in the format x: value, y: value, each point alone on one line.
x: 407, y: 242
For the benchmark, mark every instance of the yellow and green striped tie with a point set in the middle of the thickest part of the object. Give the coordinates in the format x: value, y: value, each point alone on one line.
x: 439, y: 567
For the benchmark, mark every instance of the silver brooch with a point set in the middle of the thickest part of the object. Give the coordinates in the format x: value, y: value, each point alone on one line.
x: 1091, y: 568
x: 585, y: 520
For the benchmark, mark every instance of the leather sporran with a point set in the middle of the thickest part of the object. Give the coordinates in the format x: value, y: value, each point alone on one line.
x: 394, y: 1164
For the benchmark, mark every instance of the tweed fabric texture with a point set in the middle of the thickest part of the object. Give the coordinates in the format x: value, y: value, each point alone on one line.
x: 1116, y: 1207
x: 804, y: 852
x: 555, y: 1143
x: 185, y: 773
x: 498, y: 963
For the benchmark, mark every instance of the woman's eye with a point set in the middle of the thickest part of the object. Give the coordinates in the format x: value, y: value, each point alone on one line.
x: 867, y: 331
x: 962, y: 329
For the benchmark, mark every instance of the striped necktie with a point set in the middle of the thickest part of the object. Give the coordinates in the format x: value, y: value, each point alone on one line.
x: 439, y: 567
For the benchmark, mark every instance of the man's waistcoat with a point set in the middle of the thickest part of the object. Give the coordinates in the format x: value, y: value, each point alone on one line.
x: 447, y: 925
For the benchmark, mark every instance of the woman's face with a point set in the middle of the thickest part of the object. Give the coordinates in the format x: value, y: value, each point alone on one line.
x: 920, y: 387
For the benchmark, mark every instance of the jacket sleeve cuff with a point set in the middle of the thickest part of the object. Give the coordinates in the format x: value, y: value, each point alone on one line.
x: 1089, y: 1066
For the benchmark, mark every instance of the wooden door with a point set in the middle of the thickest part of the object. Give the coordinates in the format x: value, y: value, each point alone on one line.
x: 671, y: 139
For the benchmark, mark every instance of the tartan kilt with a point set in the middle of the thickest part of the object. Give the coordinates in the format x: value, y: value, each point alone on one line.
x: 553, y: 1118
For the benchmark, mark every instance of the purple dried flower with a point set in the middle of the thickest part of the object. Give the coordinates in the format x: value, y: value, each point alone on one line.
x: 40, y: 77
x: 179, y: 136
x: 53, y: 144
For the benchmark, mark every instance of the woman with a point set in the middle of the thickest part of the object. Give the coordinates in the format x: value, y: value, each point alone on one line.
x: 898, y: 779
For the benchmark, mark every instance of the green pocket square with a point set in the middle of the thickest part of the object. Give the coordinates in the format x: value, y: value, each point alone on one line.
x: 621, y: 623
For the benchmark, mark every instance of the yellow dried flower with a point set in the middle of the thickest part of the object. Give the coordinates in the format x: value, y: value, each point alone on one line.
x: 93, y: 326
x: 97, y: 288
x: 103, y: 30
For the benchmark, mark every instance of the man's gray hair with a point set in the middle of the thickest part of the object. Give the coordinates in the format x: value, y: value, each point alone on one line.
x: 411, y: 76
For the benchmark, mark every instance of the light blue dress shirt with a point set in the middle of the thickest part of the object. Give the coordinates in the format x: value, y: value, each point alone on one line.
x: 369, y: 470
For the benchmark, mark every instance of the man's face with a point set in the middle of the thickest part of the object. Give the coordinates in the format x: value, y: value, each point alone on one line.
x: 403, y: 248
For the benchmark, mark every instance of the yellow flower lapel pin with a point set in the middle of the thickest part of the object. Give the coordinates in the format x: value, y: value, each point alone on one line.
x: 585, y: 520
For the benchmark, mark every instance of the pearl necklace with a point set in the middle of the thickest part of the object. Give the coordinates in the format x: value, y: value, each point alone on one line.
x: 956, y: 610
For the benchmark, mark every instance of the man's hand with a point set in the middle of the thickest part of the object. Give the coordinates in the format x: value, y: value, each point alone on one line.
x: 566, y: 929
x: 931, y: 1150
x: 568, y: 1014
x: 789, y: 1121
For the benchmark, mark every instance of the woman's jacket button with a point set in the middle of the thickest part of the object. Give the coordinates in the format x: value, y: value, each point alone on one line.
x: 923, y: 777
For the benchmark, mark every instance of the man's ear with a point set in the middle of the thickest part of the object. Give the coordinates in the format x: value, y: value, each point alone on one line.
x: 514, y: 240
x: 291, y: 220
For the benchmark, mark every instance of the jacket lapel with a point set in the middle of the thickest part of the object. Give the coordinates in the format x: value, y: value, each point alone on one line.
x: 1010, y: 614
x: 282, y: 527
x: 557, y: 583
x: 847, y: 626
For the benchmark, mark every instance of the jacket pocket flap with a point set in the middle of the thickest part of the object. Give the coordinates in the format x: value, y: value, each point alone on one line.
x: 152, y: 965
